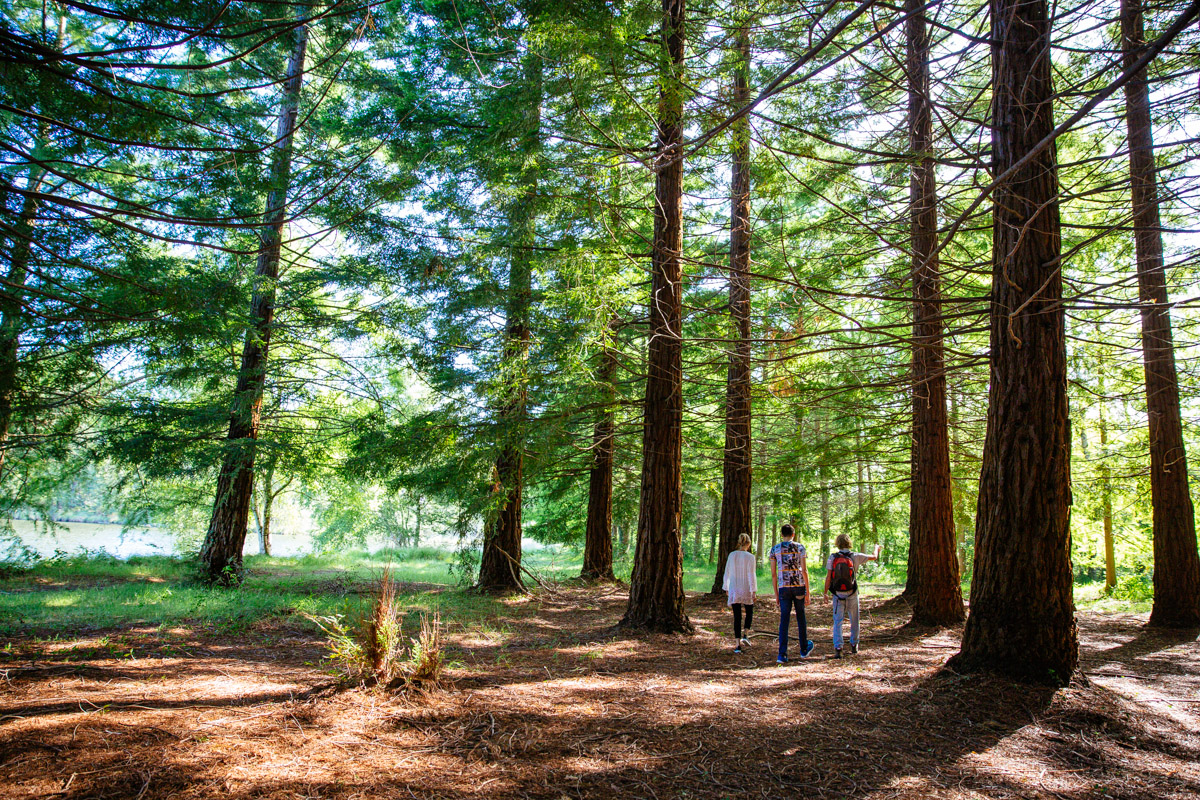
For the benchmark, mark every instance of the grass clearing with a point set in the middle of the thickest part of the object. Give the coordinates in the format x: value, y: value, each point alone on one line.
x: 90, y: 591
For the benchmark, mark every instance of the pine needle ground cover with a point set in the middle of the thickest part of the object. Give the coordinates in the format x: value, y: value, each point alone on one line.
x: 546, y: 699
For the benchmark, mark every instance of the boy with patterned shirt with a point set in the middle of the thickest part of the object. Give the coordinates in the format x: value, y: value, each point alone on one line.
x: 789, y: 576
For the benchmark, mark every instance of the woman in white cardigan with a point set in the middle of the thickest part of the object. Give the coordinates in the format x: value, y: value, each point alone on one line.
x: 741, y: 584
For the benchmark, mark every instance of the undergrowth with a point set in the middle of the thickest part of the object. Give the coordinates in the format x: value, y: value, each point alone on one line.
x: 371, y: 650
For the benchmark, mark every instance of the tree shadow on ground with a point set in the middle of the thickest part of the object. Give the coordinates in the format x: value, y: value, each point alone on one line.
x: 651, y: 716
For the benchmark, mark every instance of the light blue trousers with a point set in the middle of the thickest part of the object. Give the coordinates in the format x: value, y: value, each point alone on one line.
x: 840, y: 607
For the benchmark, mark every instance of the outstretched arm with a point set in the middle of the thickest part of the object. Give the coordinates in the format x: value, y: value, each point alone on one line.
x: 878, y: 550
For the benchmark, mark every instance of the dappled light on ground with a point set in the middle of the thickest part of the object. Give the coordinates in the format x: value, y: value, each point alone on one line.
x: 551, y: 700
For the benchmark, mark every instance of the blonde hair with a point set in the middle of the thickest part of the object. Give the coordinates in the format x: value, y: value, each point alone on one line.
x: 744, y: 542
x: 843, y: 541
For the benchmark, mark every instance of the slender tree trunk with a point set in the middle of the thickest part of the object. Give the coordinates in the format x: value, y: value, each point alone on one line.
x: 859, y: 495
x: 597, y: 548
x: 735, y: 493
x: 698, y: 531
x: 264, y: 532
x: 221, y: 553
x: 1110, y: 561
x: 1022, y: 620
x: 20, y: 245
x: 713, y: 530
x: 824, y: 541
x: 1176, y: 564
x: 871, y: 507
x: 500, y: 564
x: 760, y: 546
x: 623, y: 537
x: 961, y: 516
x: 11, y: 296
x: 656, y: 599
x: 933, y: 588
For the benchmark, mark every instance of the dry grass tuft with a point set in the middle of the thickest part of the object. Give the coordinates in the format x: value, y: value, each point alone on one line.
x: 424, y: 669
x: 373, y: 653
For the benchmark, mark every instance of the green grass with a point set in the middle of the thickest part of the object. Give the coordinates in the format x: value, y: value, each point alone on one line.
x: 89, y: 591
x: 82, y: 592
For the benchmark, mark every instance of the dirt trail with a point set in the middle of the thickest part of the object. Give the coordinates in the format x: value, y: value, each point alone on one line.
x: 551, y: 702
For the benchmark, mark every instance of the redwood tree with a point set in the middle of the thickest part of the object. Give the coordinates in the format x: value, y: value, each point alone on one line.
x: 1022, y: 619
x: 1176, y: 564
x: 597, y: 544
x: 735, y: 494
x: 933, y: 587
x: 656, y: 599
x: 221, y: 553
x: 499, y: 567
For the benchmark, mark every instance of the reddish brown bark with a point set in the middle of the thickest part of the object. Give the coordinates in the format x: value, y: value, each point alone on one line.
x: 933, y: 588
x: 656, y: 599
x: 11, y: 316
x: 597, y: 545
x: 1176, y: 564
x: 736, y: 489
x: 221, y: 553
x: 1022, y: 620
x: 500, y: 564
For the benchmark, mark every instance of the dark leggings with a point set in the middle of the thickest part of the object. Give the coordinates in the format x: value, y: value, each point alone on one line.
x: 737, y: 618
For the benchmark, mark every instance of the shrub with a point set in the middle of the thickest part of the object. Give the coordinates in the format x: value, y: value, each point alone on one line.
x: 372, y: 652
x: 1136, y: 587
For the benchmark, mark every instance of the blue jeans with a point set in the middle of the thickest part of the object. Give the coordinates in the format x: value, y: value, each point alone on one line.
x: 840, y: 606
x: 790, y: 596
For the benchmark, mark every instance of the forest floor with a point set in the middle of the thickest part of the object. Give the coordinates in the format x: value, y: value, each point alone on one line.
x: 549, y: 700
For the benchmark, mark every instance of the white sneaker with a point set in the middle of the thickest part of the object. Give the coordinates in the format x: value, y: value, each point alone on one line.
x: 745, y: 643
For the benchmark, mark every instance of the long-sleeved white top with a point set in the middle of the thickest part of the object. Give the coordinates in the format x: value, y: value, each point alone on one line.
x: 741, y: 577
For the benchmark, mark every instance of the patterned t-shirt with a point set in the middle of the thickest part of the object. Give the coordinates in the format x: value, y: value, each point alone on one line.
x: 788, y: 557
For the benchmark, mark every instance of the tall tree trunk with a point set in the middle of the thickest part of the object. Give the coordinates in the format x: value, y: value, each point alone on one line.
x: 500, y: 564
x: 1176, y: 564
x: 221, y: 553
x: 20, y: 245
x: 859, y: 497
x: 1022, y: 620
x: 11, y: 298
x: 416, y: 540
x: 656, y: 599
x: 735, y: 493
x: 871, y: 507
x: 933, y: 588
x: 264, y: 531
x: 698, y: 528
x: 824, y: 540
x: 760, y: 545
x: 597, y: 548
x: 961, y: 515
x: 1110, y: 560
x: 713, y: 530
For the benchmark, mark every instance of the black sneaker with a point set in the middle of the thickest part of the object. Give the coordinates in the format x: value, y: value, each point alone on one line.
x: 737, y: 650
x: 837, y: 653
x: 854, y: 648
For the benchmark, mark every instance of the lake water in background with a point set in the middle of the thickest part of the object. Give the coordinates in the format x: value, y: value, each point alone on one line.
x: 122, y: 542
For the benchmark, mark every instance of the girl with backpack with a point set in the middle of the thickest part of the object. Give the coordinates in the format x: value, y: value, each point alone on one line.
x: 741, y: 584
x: 841, y: 578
